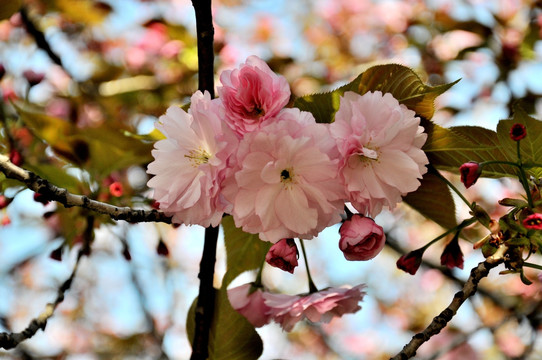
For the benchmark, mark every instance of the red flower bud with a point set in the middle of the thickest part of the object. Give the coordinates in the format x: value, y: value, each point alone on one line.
x: 41, y: 198
x: 162, y: 249
x: 411, y: 262
x: 33, y: 77
x: 518, y: 132
x: 4, y: 201
x: 452, y: 256
x: 361, y: 238
x: 6, y: 220
x: 533, y: 221
x: 283, y: 255
x: 470, y: 172
x: 116, y: 189
x: 15, y: 157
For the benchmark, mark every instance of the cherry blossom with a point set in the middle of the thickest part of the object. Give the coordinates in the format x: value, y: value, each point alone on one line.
x: 319, y: 306
x: 250, y: 304
x: 285, y: 184
x: 189, y: 165
x: 361, y: 238
x: 380, y: 143
x: 283, y: 255
x: 252, y: 95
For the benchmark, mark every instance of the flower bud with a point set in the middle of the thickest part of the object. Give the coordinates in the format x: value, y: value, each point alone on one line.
x: 6, y: 220
x: 283, y: 255
x: 452, y: 255
x: 518, y: 132
x: 250, y: 304
x: 470, y: 172
x: 116, y: 189
x: 411, y: 262
x: 33, y: 77
x: 533, y: 221
x: 4, y: 201
x: 361, y: 238
x: 15, y: 157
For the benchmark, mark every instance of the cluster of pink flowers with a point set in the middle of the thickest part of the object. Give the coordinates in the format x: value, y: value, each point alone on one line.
x: 273, y: 168
x: 261, y: 307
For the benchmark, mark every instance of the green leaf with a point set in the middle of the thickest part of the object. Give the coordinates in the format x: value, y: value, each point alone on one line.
x: 244, y: 251
x: 232, y: 336
x: 402, y: 82
x: 449, y: 148
x: 530, y: 146
x: 405, y: 85
x: 434, y: 201
x: 100, y: 150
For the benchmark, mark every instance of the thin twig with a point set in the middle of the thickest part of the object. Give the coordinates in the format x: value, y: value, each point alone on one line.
x: 440, y: 321
x: 63, y: 196
x: 9, y: 340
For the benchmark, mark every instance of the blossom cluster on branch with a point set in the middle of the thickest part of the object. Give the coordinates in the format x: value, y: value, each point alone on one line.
x: 274, y: 168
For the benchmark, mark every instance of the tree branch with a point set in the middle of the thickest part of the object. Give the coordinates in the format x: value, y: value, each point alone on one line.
x: 9, y: 340
x: 63, y: 196
x: 440, y: 321
x: 206, y: 298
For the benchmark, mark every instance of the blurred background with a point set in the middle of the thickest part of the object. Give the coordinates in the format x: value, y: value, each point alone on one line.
x: 77, y: 76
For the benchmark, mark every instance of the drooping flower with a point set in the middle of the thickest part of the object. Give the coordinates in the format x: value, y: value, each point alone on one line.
x: 518, y: 132
x: 452, y: 256
x: 189, y: 165
x: 283, y: 255
x: 252, y: 95
x: 470, y: 172
x: 361, y: 238
x: 411, y: 262
x: 533, y: 221
x: 250, y: 304
x: 285, y: 184
x: 380, y: 144
x: 321, y: 306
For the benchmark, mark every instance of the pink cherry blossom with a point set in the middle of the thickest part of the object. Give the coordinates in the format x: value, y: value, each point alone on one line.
x: 250, y: 305
x: 189, y: 165
x: 380, y: 143
x: 320, y: 306
x: 283, y: 255
x: 285, y: 184
x: 361, y: 238
x: 252, y: 95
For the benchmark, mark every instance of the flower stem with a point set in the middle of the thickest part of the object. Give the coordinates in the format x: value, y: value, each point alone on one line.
x: 312, y: 287
x: 531, y: 265
x: 447, y: 182
x: 455, y: 229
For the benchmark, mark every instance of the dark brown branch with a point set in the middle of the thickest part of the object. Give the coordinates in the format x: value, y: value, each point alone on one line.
x: 39, y: 37
x: 206, y: 297
x: 63, y: 196
x: 9, y: 340
x: 440, y: 321
x: 205, y: 35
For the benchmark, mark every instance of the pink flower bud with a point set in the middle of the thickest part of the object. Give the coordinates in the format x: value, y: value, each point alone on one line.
x: 411, y: 262
x: 15, y: 157
x: 452, y: 256
x: 116, y: 189
x: 4, y: 201
x: 283, y: 255
x: 533, y: 221
x: 6, y: 221
x: 518, y: 132
x: 33, y: 77
x: 361, y: 238
x: 470, y: 172
x: 250, y: 304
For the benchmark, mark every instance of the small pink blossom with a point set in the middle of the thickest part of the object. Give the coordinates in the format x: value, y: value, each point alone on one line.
x: 361, y: 238
x: 380, y: 144
x: 250, y: 304
x: 189, y: 165
x: 283, y: 255
x: 252, y: 95
x: 320, y: 306
x: 285, y: 184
